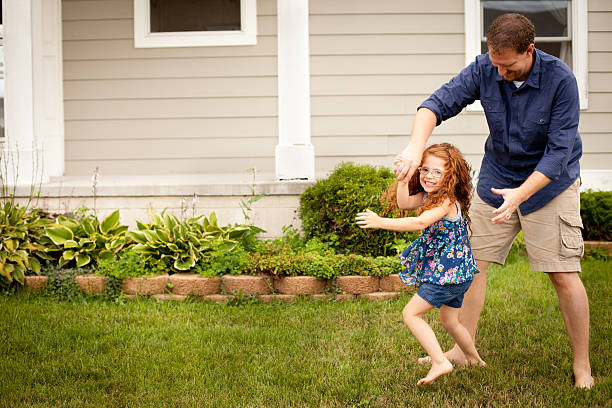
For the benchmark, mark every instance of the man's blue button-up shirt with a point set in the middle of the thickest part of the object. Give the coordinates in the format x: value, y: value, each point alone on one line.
x: 531, y: 128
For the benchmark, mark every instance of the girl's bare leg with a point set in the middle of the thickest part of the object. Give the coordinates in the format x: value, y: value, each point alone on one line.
x: 473, y: 303
x: 449, y: 317
x: 413, y: 317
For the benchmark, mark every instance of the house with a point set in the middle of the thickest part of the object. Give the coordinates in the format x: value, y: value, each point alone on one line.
x: 166, y: 105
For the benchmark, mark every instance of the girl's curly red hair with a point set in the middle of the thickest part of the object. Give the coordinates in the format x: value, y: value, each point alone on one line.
x: 456, y: 183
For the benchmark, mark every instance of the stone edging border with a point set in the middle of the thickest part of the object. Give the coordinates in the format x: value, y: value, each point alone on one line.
x: 223, y: 288
x: 603, y: 245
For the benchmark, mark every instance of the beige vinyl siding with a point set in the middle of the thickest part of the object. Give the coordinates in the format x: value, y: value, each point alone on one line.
x: 165, y: 110
x: 373, y: 63
x: 214, y: 109
x: 596, y: 122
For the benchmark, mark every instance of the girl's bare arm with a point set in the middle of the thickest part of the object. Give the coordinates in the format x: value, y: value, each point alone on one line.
x: 405, y: 201
x: 369, y: 219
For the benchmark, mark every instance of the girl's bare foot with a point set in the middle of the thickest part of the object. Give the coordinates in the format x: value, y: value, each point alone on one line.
x: 455, y: 355
x: 436, y: 370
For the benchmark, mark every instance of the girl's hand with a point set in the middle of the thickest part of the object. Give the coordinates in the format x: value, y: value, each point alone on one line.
x: 368, y: 219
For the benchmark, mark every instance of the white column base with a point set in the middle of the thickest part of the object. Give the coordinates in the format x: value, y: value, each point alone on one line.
x: 295, y: 162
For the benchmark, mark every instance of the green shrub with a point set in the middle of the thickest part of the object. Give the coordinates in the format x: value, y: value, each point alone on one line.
x: 285, y: 261
x: 328, y: 209
x: 130, y: 265
x: 354, y: 264
x: 596, y: 213
x: 388, y: 265
x: 223, y: 262
x: 276, y: 261
x: 314, y: 264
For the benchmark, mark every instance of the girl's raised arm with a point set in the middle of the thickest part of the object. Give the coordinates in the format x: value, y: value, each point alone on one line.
x: 369, y: 219
x: 405, y: 201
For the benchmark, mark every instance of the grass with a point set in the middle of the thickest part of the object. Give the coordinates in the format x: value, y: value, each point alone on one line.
x: 94, y: 353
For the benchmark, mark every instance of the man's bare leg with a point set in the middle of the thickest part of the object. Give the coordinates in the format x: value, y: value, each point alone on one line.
x: 473, y: 303
x: 574, y: 305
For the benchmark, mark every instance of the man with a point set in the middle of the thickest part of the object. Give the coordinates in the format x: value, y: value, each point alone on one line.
x: 529, y: 175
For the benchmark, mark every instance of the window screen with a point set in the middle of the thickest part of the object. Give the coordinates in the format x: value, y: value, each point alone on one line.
x: 551, y: 19
x: 194, y: 15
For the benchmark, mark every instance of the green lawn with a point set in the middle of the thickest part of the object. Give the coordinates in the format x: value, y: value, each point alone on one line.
x: 97, y: 353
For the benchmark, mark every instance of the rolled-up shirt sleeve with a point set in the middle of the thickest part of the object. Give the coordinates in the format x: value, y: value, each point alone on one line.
x: 452, y: 97
x: 562, y: 131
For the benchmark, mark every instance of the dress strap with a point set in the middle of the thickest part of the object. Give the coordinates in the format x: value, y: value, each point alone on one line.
x: 459, y: 214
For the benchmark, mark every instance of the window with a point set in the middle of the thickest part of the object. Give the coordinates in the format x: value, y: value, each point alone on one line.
x: 561, y: 30
x: 192, y: 23
x: 552, y: 20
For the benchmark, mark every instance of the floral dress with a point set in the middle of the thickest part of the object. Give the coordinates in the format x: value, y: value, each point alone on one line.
x: 440, y: 255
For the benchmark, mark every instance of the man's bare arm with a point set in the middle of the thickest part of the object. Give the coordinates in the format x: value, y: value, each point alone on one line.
x: 409, y: 159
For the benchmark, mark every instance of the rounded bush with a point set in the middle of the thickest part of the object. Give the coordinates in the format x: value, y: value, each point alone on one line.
x: 328, y: 209
x: 596, y: 210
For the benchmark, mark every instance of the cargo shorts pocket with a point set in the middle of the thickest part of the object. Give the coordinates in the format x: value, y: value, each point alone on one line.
x: 572, y: 244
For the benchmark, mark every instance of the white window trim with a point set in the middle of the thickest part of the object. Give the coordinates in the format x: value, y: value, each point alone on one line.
x: 144, y: 38
x: 579, y: 27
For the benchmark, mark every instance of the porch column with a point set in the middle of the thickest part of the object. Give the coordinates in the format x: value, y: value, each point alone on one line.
x: 33, y: 106
x: 294, y: 152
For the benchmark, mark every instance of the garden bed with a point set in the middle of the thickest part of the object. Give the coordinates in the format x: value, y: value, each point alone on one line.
x: 223, y: 288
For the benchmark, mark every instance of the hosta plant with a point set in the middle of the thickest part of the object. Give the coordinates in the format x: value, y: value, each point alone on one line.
x: 86, y: 240
x: 22, y: 242
x: 183, y: 243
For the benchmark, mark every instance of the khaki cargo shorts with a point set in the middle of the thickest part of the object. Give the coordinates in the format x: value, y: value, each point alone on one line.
x: 553, y: 237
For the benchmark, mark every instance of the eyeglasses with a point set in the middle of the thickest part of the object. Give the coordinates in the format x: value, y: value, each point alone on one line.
x: 433, y: 173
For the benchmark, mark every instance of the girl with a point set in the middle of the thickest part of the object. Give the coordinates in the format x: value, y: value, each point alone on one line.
x: 440, y: 261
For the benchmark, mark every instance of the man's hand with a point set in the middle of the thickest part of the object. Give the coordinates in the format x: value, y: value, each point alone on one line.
x: 368, y: 219
x: 406, y: 164
x: 513, y: 197
x: 512, y: 200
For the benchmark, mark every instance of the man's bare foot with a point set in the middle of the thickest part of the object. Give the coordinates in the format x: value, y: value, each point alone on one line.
x: 479, y: 362
x: 584, y: 381
x: 436, y: 370
x: 455, y: 355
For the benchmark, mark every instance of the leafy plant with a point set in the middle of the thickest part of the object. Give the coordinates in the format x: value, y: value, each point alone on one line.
x: 388, y: 265
x: 86, y: 240
x: 315, y: 264
x: 61, y: 283
x: 183, y: 243
x: 291, y: 237
x: 276, y: 261
x: 354, y: 264
x: 246, y: 205
x: 223, y: 262
x: 22, y: 242
x: 596, y: 213
x: 328, y: 209
x: 130, y: 264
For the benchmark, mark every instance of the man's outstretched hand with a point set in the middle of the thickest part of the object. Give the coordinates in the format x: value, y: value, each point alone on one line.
x: 512, y: 200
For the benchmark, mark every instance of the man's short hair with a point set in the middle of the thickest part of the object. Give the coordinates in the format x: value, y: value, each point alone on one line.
x: 510, y: 31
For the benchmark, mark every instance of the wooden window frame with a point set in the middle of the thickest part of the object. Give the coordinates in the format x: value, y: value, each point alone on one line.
x: 144, y: 38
